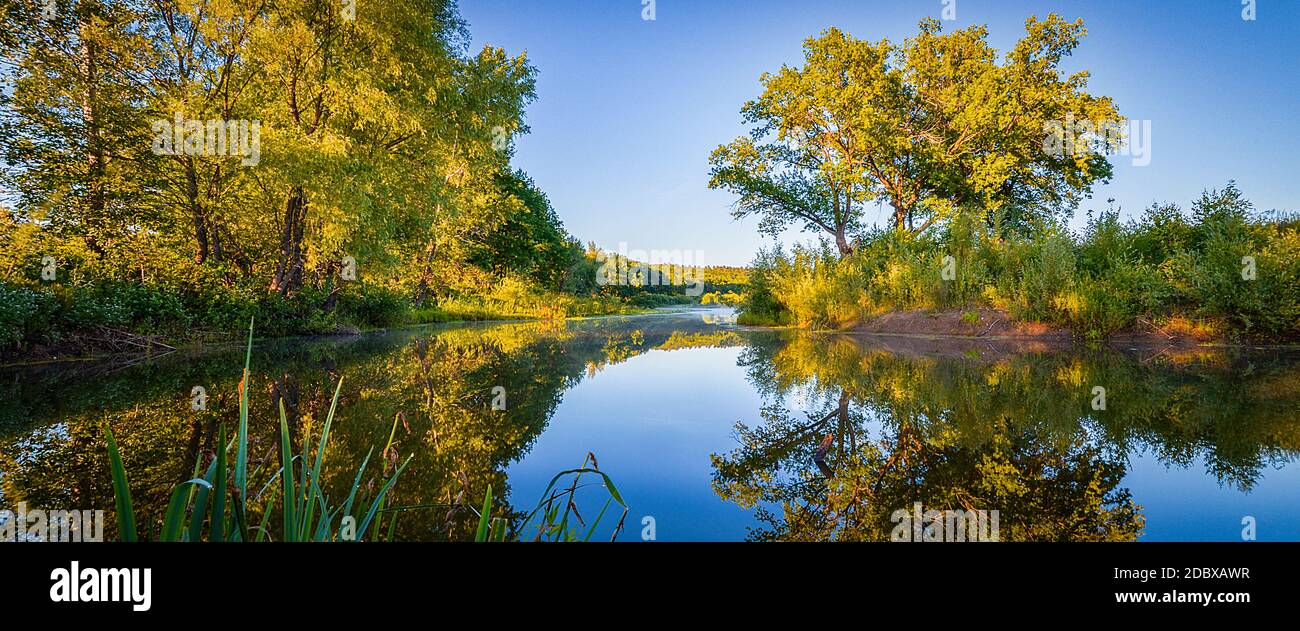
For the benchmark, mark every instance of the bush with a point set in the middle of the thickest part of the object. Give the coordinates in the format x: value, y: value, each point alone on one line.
x: 1163, y: 266
x: 759, y: 304
x: 18, y: 306
x: 374, y: 306
x: 1279, y: 279
x: 153, y: 307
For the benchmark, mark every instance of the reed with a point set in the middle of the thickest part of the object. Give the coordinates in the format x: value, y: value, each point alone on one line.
x: 214, y: 505
x: 208, y: 508
x: 556, y: 516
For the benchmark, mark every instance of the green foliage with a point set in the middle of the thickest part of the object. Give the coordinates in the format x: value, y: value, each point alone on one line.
x: 373, y: 306
x: 1207, y: 275
x: 759, y: 304
x: 930, y: 126
x: 1114, y: 274
x: 719, y: 298
x: 18, y: 313
x: 531, y: 242
x: 385, y: 139
x: 555, y: 518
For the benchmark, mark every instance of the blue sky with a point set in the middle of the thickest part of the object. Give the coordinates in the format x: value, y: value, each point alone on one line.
x: 628, y: 110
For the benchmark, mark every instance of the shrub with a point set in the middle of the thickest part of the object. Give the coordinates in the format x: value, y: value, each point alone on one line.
x: 759, y: 304
x: 373, y: 306
x: 18, y: 306
x: 1162, y: 266
x: 1037, y: 273
x: 1278, y: 278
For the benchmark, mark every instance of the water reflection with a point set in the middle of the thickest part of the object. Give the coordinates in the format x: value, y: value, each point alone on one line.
x: 887, y: 422
x: 835, y: 432
x: 431, y: 388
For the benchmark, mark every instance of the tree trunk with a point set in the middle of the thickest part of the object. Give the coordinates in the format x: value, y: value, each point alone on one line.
x: 216, y: 241
x: 422, y: 291
x: 900, y: 214
x: 94, y: 145
x: 842, y: 242
x: 288, y: 271
x: 196, y: 212
x: 330, y: 271
x: 211, y: 221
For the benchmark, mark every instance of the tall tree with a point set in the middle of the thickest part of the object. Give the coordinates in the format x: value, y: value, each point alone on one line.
x: 802, y: 163
x: 928, y: 127
x: 73, y: 126
x: 203, y: 74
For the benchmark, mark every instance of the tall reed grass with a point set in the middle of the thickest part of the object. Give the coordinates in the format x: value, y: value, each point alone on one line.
x: 215, y: 505
x: 550, y: 519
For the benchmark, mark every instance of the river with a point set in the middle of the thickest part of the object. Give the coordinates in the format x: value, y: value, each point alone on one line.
x: 711, y: 431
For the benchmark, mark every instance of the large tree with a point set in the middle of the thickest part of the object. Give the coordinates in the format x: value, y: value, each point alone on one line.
x: 929, y: 127
x: 382, y: 137
x: 72, y: 129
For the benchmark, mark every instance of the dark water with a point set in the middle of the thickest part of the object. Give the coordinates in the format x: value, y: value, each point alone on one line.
x: 712, y: 430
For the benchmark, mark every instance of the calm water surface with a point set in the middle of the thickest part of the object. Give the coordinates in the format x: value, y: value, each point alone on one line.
x: 715, y: 431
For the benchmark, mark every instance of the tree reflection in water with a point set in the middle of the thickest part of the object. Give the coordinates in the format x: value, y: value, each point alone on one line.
x: 431, y: 388
x: 852, y: 429
x: 988, y: 429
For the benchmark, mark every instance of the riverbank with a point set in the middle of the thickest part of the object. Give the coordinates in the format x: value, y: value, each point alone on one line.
x: 131, y: 347
x: 55, y: 323
x: 997, y: 324
x: 111, y: 343
x: 1221, y: 274
x: 1015, y: 335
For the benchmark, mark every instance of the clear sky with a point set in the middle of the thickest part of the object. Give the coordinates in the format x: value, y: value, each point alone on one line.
x: 628, y: 110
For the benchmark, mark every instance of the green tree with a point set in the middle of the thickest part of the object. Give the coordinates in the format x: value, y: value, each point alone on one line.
x: 531, y: 241
x: 72, y: 130
x: 928, y: 127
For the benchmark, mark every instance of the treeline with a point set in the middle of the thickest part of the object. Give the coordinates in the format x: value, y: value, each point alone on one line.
x: 674, y: 281
x: 177, y: 166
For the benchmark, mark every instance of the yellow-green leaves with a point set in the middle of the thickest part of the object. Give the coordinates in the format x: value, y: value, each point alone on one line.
x: 934, y: 123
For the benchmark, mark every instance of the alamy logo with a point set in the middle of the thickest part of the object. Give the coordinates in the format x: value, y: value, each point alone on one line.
x: 95, y: 585
x: 52, y: 525
x: 234, y: 138
x: 1080, y: 137
x: 661, y: 268
x: 945, y: 525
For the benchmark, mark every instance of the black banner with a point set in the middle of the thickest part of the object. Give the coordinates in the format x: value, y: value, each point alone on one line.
x: 407, y: 578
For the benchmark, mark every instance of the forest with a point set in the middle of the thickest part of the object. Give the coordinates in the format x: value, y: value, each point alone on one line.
x: 172, y: 169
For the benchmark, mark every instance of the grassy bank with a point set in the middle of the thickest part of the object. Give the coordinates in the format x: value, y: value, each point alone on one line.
x: 59, y: 298
x: 91, y: 317
x: 42, y: 321
x: 1219, y: 270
